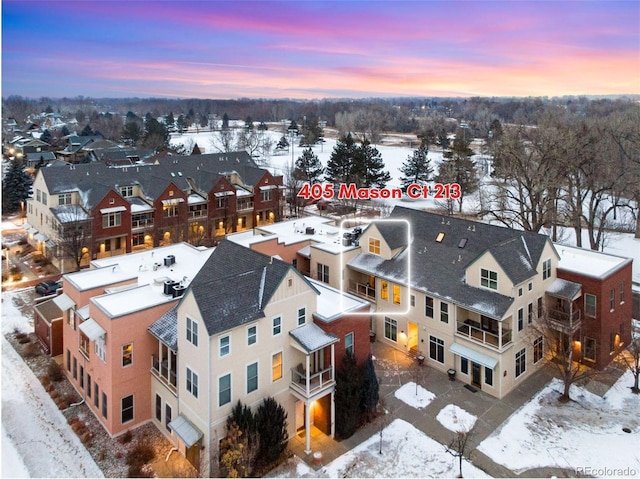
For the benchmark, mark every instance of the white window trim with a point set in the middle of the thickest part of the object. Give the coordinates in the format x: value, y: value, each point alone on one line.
x: 254, y: 325
x: 281, y: 352
x: 186, y: 381
x: 228, y: 373
x: 257, y: 363
x: 298, y: 315
x: 273, y: 325
x: 192, y: 322
x: 220, y: 338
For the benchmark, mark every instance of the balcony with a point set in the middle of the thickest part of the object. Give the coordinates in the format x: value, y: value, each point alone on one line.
x: 310, y: 386
x: 141, y: 223
x: 472, y: 330
x: 161, y: 371
x: 564, y: 321
x: 244, y: 206
x: 197, y: 213
x: 362, y: 289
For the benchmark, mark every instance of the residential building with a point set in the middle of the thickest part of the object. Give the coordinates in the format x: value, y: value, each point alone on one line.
x: 604, y: 309
x: 198, y: 199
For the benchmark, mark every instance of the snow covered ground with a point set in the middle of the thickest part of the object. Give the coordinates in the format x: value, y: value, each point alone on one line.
x: 584, y: 433
x: 415, y: 397
x: 456, y: 419
x: 36, y: 440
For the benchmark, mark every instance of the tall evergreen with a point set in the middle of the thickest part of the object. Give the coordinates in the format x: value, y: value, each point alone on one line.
x: 348, y: 397
x: 417, y: 168
x: 16, y: 186
x: 308, y: 167
x: 370, y: 391
x: 458, y: 167
x: 340, y: 164
x: 369, y: 167
x: 271, y: 423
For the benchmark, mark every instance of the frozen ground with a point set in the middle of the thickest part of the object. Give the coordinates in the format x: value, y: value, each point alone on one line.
x: 584, y: 433
x: 415, y: 397
x: 456, y: 419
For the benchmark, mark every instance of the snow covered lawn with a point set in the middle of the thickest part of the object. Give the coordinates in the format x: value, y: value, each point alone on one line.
x: 584, y: 433
x: 456, y: 419
x: 418, y: 398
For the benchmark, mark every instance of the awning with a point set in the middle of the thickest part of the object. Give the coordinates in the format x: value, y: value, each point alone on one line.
x: 218, y: 194
x: 26, y: 226
x: 113, y: 209
x: 173, y: 201
x: 306, y: 251
x: 64, y: 302
x: 32, y: 231
x: 268, y: 187
x: 92, y: 329
x: 185, y: 430
x: 40, y: 237
x: 473, y: 355
x: 49, y: 244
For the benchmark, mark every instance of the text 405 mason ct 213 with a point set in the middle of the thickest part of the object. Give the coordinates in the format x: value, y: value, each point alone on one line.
x: 327, y: 191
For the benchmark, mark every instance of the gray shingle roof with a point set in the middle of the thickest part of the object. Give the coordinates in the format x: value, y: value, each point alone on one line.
x: 166, y: 328
x: 234, y: 286
x: 312, y: 338
x: 394, y: 234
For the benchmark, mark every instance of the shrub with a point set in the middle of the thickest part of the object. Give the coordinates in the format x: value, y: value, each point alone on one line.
x: 49, y: 387
x: 53, y: 393
x: 44, y: 380
x: 348, y: 396
x: 24, y: 340
x: 55, y: 372
x: 126, y: 437
x: 137, y: 457
x: 271, y: 425
x: 31, y: 350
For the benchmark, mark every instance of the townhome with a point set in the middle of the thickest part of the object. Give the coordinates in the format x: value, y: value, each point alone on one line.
x: 107, y: 350
x: 198, y: 199
x: 251, y: 326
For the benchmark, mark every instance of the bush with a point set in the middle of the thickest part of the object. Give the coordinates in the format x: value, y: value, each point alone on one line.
x: 137, y: 457
x: 126, y: 437
x: 271, y: 424
x: 31, y: 350
x: 55, y: 372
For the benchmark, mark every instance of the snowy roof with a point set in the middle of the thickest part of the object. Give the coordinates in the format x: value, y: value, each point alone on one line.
x: 562, y: 288
x: 333, y: 303
x: 48, y: 310
x: 146, y: 270
x: 70, y: 213
x: 312, y: 338
x: 589, y: 262
x: 138, y: 205
x: 166, y: 328
x: 185, y: 430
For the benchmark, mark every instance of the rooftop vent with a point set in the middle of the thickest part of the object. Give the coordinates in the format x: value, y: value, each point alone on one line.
x: 463, y: 242
x: 169, y: 260
x: 310, y: 231
x: 178, y: 290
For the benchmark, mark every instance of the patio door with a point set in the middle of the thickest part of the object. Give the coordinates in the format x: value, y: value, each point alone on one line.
x: 475, y: 374
x: 412, y: 336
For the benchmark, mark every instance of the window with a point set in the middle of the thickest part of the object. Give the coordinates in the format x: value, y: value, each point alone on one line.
x: 88, y: 385
x: 590, y: 302
x: 276, y: 366
x: 302, y: 316
x: 100, y: 348
x: 374, y: 246
x: 96, y: 395
x: 81, y: 377
x: 38, y: 195
x: 75, y: 368
x: 391, y: 329
x: 323, y: 273
x: 519, y: 291
x: 127, y: 409
x: 384, y: 290
x: 590, y: 349
x: 621, y: 292
x: 464, y: 365
x: 612, y: 342
x: 158, y: 408
x: 444, y: 312
x: 488, y: 376
x: 192, y: 382
x: 224, y: 390
x: 412, y: 299
x: 170, y: 211
x: 540, y: 307
x: 529, y: 313
x: 192, y: 331
x: 489, y: 279
x: 436, y: 349
x: 126, y: 191
x: 224, y: 345
x: 252, y: 335
x: 44, y: 198
x: 520, y: 319
x: 538, y: 349
x: 348, y: 344
x: 72, y: 319
x: 252, y: 377
x: 64, y: 199
x: 612, y: 299
x: 68, y: 360
x: 530, y: 286
x: 428, y: 307
x: 521, y: 362
x: 265, y: 195
x: 111, y: 220
x: 396, y: 294
x: 167, y: 416
x: 546, y: 269
x: 104, y: 405
x: 127, y: 354
x: 277, y: 325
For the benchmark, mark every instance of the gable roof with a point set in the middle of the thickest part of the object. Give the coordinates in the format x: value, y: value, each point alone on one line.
x: 235, y: 285
x: 394, y: 235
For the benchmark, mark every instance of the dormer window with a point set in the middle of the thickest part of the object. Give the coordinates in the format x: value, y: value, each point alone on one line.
x: 374, y: 246
x: 488, y: 279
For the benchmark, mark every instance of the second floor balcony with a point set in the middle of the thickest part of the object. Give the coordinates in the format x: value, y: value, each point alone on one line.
x: 167, y: 376
x: 567, y: 321
x: 364, y: 290
x: 310, y: 384
x: 141, y: 223
x: 488, y: 335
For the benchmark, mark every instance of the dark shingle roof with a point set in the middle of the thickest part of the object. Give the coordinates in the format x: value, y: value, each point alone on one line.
x: 234, y: 286
x: 394, y: 234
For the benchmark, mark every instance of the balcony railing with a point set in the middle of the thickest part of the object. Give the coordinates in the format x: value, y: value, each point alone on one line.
x: 244, y: 206
x: 162, y: 372
x: 197, y: 213
x: 362, y: 289
x: 469, y: 330
x: 146, y: 223
x: 561, y: 320
x: 317, y: 381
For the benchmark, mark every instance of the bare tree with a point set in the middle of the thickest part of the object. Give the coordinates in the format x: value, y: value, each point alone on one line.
x: 631, y: 358
x: 419, y: 372
x: 223, y: 140
x: 459, y: 445
x: 73, y: 234
x: 383, y: 420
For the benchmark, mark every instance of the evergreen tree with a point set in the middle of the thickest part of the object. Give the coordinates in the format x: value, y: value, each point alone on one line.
x: 156, y: 135
x: 308, y: 167
x: 263, y: 126
x: 340, y: 164
x: 64, y: 131
x: 271, y: 424
x: 368, y: 167
x: 132, y: 132
x: 348, y: 396
x: 293, y: 126
x: 283, y: 144
x: 248, y: 123
x: 225, y: 122
x: 204, y: 121
x: 458, y: 167
x: 417, y: 168
x: 46, y: 136
x: 311, y: 131
x: 169, y: 121
x: 243, y: 417
x: 370, y: 391
x: 15, y: 186
x: 181, y: 123
x: 86, y: 131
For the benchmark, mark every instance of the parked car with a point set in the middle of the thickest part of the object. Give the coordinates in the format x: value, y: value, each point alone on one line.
x: 48, y: 287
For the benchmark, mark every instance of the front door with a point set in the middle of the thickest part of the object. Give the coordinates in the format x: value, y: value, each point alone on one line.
x: 412, y: 336
x: 475, y: 374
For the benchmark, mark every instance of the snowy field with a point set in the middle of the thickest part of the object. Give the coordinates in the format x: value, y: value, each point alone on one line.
x: 584, y: 433
x: 36, y: 440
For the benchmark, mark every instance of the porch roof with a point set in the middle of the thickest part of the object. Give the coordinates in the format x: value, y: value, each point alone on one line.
x: 166, y: 328
x: 473, y: 355
x: 185, y: 430
x: 561, y: 288
x: 92, y: 329
x: 312, y: 338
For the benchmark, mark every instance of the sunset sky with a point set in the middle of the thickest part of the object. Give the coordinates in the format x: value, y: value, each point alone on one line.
x: 314, y: 49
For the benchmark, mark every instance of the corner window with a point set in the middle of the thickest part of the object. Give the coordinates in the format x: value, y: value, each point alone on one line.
x: 224, y: 390
x: 546, y: 269
x: 590, y: 305
x: 391, y: 329
x: 374, y: 246
x: 276, y: 366
x: 127, y: 354
x: 252, y: 377
x: 126, y: 409
x: 224, y: 345
x: 192, y: 331
x: 489, y: 279
x: 277, y: 325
